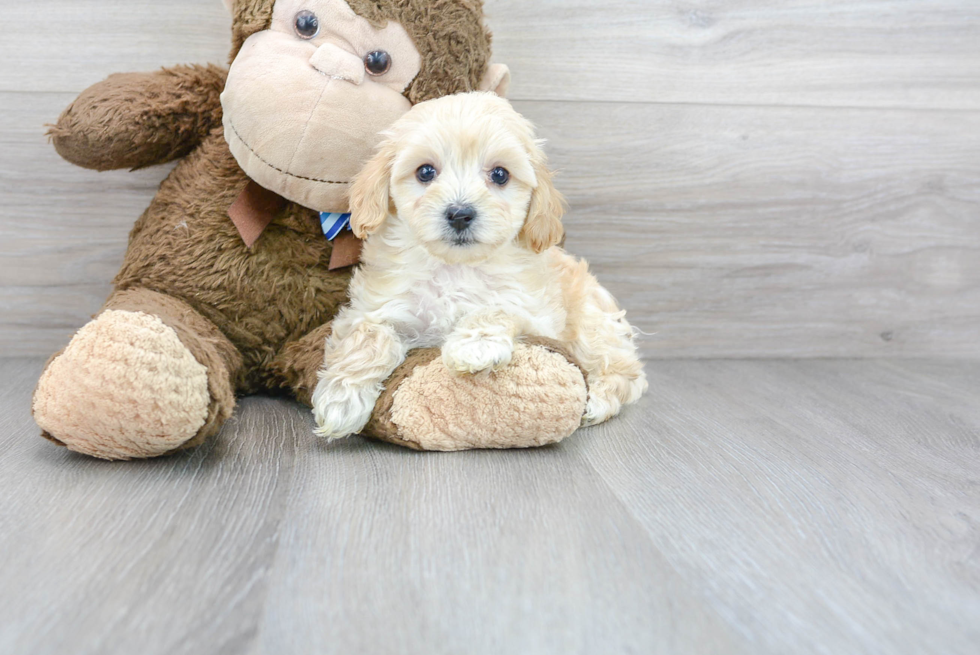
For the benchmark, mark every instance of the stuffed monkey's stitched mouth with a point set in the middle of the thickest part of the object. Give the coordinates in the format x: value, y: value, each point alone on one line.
x: 273, y: 166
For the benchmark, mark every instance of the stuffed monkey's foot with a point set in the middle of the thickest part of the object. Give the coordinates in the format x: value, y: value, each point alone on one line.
x: 125, y: 387
x: 537, y: 400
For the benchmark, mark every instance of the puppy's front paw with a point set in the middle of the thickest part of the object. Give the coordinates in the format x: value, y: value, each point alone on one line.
x: 599, y: 409
x: 472, y: 354
x: 341, y: 411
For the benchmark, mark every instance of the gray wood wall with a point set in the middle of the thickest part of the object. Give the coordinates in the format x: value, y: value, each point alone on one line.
x: 749, y: 177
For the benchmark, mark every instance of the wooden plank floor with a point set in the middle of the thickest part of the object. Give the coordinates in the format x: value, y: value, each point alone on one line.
x: 827, y: 506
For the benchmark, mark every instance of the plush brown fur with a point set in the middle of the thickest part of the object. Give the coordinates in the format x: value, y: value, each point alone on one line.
x: 261, y: 298
x: 247, y: 18
x: 133, y: 120
x: 299, y: 361
x: 257, y: 317
x: 450, y: 36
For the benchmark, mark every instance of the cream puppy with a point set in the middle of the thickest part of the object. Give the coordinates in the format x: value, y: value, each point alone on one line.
x: 461, y: 222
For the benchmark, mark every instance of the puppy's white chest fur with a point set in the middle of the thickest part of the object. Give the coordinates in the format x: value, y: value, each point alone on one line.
x: 461, y: 220
x: 451, y: 291
x: 440, y: 301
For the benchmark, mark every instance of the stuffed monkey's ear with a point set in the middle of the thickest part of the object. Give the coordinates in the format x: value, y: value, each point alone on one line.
x: 543, y: 228
x: 497, y: 80
x: 370, y: 200
x: 228, y: 5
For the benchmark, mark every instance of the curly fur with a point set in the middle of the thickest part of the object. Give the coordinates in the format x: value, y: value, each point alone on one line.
x: 471, y: 290
x: 133, y: 120
x: 255, y: 318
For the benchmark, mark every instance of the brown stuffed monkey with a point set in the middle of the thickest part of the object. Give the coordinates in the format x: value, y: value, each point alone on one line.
x: 226, y: 287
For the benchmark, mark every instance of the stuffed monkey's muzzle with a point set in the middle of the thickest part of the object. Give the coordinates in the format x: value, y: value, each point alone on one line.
x: 302, y: 122
x: 338, y: 64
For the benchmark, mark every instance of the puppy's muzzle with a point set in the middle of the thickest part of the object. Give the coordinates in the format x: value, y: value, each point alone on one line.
x: 460, y: 217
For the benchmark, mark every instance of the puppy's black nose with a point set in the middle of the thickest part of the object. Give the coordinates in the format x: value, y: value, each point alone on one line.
x: 460, y: 216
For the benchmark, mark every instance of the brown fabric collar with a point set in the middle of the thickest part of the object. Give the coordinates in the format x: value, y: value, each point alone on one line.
x: 255, y: 208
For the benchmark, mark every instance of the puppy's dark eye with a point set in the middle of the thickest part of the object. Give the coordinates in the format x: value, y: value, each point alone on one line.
x: 500, y: 176
x: 377, y: 62
x: 307, y: 24
x: 426, y: 173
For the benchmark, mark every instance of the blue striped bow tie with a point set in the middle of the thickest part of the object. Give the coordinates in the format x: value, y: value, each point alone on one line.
x: 333, y: 224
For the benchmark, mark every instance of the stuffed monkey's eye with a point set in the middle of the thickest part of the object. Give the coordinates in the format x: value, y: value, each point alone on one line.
x: 426, y: 173
x: 500, y: 176
x: 307, y: 24
x: 377, y: 62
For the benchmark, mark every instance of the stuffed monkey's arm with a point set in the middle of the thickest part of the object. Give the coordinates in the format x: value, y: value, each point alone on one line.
x: 133, y: 120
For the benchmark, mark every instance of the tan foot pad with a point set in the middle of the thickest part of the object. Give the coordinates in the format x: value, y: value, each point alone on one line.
x: 537, y: 400
x: 125, y: 387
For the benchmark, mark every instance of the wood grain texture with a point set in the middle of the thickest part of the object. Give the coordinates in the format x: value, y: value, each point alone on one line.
x: 731, y: 231
x: 902, y: 53
x: 68, y: 45
x: 164, y: 556
x: 841, y: 53
x: 63, y: 229
x: 481, y: 552
x: 742, y: 507
x: 823, y: 494
x: 746, y: 232
x: 721, y: 179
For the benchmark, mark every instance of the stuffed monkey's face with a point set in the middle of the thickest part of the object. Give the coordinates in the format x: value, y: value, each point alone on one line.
x: 306, y: 99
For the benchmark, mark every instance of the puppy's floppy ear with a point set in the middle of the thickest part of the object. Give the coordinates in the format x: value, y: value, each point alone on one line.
x: 370, y: 199
x: 543, y: 228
